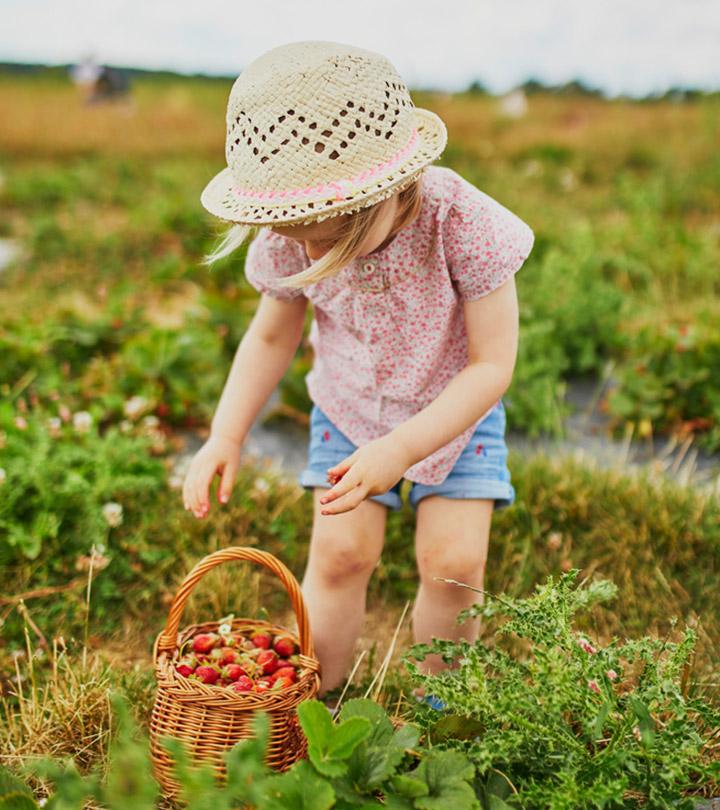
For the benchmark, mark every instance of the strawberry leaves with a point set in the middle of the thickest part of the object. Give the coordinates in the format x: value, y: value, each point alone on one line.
x: 330, y: 745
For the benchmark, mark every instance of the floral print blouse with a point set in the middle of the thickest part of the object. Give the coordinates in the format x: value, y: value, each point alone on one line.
x: 388, y: 332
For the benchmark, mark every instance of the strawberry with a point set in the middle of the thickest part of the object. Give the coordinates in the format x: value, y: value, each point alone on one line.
x: 224, y: 655
x: 233, y: 672
x: 284, y: 646
x: 184, y: 670
x: 282, y: 683
x: 286, y: 672
x: 207, y: 674
x: 263, y: 685
x: 204, y: 642
x: 243, y: 684
x: 261, y: 639
x: 268, y: 660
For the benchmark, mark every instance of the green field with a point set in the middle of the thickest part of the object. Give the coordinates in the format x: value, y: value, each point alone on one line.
x: 107, y: 313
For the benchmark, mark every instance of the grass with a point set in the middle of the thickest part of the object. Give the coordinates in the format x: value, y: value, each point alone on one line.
x: 107, y: 300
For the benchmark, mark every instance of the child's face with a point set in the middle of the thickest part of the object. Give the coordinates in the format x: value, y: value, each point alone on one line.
x: 320, y: 236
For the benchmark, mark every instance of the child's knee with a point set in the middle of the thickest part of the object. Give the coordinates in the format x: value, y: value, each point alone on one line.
x: 340, y: 556
x: 461, y: 561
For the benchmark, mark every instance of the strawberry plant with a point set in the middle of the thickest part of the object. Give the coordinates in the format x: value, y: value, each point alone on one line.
x: 357, y: 761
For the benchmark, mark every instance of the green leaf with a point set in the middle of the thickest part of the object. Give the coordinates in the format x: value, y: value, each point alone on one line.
x: 409, y: 787
x: 9, y: 783
x: 376, y: 758
x: 300, y: 788
x: 446, y: 774
x: 645, y: 721
x: 457, y: 727
x: 245, y: 762
x: 330, y: 745
x: 18, y: 801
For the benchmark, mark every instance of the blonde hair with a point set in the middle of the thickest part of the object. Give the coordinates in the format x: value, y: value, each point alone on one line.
x: 353, y: 233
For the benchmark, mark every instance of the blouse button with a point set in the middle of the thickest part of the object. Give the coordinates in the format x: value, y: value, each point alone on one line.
x: 368, y: 267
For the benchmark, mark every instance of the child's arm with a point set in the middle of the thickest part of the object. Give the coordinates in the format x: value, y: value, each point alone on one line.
x: 262, y: 357
x: 492, y: 328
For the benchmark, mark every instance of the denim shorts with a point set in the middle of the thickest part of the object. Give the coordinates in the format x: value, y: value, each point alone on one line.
x: 481, y: 470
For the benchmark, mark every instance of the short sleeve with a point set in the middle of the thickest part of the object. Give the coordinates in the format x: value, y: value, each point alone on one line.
x: 271, y: 257
x: 485, y: 244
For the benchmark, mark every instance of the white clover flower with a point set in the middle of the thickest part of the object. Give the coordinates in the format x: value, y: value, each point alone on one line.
x: 82, y: 421
x: 54, y: 424
x: 261, y: 485
x: 135, y: 407
x: 3, y: 476
x: 175, y: 481
x: 113, y: 513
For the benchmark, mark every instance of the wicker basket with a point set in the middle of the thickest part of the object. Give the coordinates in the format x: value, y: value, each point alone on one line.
x: 211, y: 719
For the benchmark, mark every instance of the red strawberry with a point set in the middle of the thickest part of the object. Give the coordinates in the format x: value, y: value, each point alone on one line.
x: 282, y: 683
x: 207, y: 674
x: 261, y: 639
x: 233, y: 672
x: 263, y: 685
x: 286, y: 672
x: 242, y: 684
x: 184, y: 670
x: 224, y: 655
x: 204, y: 642
x: 284, y: 646
x: 268, y: 660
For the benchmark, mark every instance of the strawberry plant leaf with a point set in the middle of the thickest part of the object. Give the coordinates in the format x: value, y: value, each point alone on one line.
x: 9, y: 783
x: 300, y: 788
x: 446, y: 775
x: 18, y: 801
x: 329, y: 745
x: 377, y: 757
x: 245, y: 762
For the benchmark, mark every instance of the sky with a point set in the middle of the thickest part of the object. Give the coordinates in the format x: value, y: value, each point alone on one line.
x: 633, y: 47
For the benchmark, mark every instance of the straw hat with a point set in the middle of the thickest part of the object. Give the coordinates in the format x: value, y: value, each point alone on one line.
x: 316, y: 129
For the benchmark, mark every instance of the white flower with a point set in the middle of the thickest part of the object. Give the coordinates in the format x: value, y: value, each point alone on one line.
x: 3, y: 476
x: 261, y: 485
x: 54, y: 424
x: 175, y: 481
x: 567, y: 179
x: 151, y: 421
x: 82, y: 421
x: 135, y: 407
x: 125, y: 426
x: 113, y: 513
x: 225, y: 629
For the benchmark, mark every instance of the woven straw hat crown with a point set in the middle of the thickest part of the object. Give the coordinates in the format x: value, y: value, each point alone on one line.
x: 315, y: 129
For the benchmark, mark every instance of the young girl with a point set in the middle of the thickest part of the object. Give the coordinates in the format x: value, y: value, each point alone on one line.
x: 410, y: 271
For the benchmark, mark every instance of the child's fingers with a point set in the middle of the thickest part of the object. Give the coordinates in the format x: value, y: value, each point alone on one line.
x: 341, y: 467
x: 346, y: 502
x: 227, y: 481
x: 345, y: 485
x: 199, y: 500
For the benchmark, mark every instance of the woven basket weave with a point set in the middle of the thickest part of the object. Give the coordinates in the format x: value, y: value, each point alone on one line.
x: 211, y: 719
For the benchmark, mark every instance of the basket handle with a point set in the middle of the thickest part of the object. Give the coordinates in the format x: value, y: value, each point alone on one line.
x: 167, y: 640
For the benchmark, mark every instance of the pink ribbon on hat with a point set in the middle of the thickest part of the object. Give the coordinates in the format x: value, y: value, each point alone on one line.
x: 340, y: 187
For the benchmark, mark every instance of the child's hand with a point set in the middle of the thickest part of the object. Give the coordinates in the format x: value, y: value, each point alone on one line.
x: 219, y: 455
x: 371, y: 470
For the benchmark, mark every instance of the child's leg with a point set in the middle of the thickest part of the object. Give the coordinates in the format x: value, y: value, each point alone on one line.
x: 344, y: 550
x: 451, y: 541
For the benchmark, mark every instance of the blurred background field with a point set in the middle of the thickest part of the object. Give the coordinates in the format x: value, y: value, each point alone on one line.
x: 115, y: 344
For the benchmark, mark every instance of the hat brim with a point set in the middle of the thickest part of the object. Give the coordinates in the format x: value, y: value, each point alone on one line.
x: 219, y: 198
